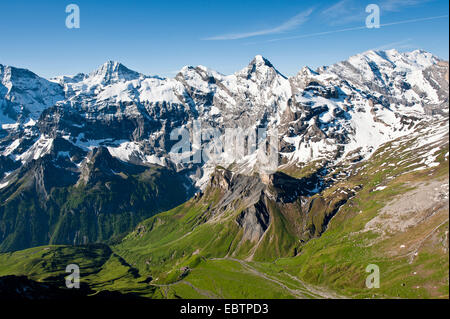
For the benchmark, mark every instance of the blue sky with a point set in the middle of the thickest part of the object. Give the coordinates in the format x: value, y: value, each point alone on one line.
x: 160, y: 37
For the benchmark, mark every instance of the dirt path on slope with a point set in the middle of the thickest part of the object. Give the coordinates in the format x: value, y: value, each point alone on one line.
x: 310, y: 290
x: 164, y: 288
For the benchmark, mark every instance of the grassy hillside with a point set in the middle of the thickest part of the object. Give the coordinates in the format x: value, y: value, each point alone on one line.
x: 46, y: 205
x: 391, y: 210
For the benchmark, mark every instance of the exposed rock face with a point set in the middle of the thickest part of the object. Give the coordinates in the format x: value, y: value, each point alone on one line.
x: 100, y: 166
x: 52, y: 200
x: 319, y: 114
x: 437, y: 76
x: 111, y: 125
x: 25, y: 95
x: 286, y: 189
x: 412, y: 208
x: 221, y: 179
x: 7, y: 165
x: 258, y: 198
x: 254, y: 220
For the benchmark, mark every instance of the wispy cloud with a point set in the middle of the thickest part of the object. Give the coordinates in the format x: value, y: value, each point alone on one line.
x: 403, y: 44
x: 348, y: 11
x: 344, y: 11
x: 316, y: 34
x: 396, y: 5
x: 290, y: 24
x: 337, y: 8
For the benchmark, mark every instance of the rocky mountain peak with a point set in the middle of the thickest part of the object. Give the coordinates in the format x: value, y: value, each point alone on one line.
x: 260, y: 68
x: 221, y: 178
x: 259, y: 60
x: 307, y: 71
x: 8, y: 73
x: 111, y: 134
x: 100, y: 157
x: 320, y: 115
x: 99, y: 166
x: 302, y: 78
x: 24, y: 95
x: 113, y: 71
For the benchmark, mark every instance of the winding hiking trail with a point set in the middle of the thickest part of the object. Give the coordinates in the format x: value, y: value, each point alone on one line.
x: 307, y: 291
x: 415, y: 252
x: 202, y: 292
x: 295, y: 292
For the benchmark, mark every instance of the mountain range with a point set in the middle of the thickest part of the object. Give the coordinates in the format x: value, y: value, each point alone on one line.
x: 86, y: 170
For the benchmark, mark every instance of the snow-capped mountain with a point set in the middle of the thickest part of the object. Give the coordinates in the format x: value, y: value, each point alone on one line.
x: 367, y: 100
x: 349, y: 108
x: 24, y: 95
x: 85, y: 158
